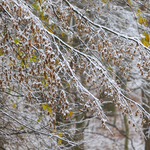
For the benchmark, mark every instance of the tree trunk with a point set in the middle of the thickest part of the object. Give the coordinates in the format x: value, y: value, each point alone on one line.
x: 79, y: 135
x: 124, y: 87
x: 126, y: 132
x: 2, y: 139
x: 146, y: 106
x: 80, y: 122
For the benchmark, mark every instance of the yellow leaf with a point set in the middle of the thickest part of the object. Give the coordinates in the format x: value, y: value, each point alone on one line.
x: 33, y: 58
x: 11, y: 63
x: 57, y: 62
x: 68, y: 85
x: 130, y: 3
x: 62, y: 33
x: 14, y: 105
x: 139, y: 10
x: 137, y: 14
x: 19, y: 54
x: 60, y: 134
x: 38, y: 120
x: 16, y: 40
x: 18, y: 57
x: 22, y: 63
x: 41, y: 14
x: 1, y: 52
x: 144, y: 42
x: 146, y: 36
x: 145, y: 22
x: 44, y: 17
x: 109, y: 68
x: 105, y: 1
x: 50, y: 30
x: 22, y: 127
x: 70, y: 113
x: 35, y: 6
x: 53, y: 26
x: 46, y: 84
x: 140, y: 20
x: 45, y: 106
x: 49, y: 109
x: 60, y: 140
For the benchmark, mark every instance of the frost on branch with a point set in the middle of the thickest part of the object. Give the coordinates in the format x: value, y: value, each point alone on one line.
x: 55, y: 64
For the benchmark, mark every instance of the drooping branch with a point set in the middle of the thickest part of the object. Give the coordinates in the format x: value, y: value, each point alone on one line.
x: 105, y: 28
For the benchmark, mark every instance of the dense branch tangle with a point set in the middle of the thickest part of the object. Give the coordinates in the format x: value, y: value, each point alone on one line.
x: 43, y: 55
